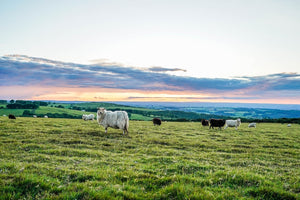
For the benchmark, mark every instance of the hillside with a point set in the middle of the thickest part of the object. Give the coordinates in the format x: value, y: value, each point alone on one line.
x: 74, y: 159
x: 75, y: 110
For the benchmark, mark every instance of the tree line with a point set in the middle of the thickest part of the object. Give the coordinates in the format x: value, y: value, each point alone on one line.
x: 21, y: 104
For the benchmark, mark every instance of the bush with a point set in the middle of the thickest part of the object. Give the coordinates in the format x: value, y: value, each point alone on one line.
x: 26, y: 113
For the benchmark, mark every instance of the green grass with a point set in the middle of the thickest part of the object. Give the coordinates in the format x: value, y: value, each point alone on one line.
x: 140, y: 117
x: 47, y: 109
x: 42, y: 110
x: 74, y: 159
x: 16, y: 112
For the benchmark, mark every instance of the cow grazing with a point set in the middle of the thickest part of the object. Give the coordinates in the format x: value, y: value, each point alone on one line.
x: 156, y: 121
x: 289, y: 125
x: 204, y: 122
x: 117, y: 119
x: 34, y: 116
x: 216, y: 123
x: 88, y: 117
x: 11, y: 116
x: 233, y: 123
x: 252, y: 125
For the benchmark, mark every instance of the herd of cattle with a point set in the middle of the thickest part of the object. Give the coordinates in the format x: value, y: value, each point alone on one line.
x: 227, y: 123
x: 120, y: 120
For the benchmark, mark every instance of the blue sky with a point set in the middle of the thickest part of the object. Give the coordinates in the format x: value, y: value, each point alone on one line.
x: 220, y: 42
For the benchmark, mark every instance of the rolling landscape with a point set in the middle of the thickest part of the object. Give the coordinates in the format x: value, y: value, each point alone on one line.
x: 246, y: 110
x: 150, y: 100
x: 145, y: 111
x: 65, y: 157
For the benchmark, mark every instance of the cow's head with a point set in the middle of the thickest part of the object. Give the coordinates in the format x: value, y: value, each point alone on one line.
x: 101, y: 111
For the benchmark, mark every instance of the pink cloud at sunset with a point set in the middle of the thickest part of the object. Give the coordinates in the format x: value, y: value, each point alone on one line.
x: 24, y: 77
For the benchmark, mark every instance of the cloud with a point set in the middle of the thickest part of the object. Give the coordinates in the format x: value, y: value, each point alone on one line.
x: 27, y: 71
x: 163, y: 69
x: 274, y: 82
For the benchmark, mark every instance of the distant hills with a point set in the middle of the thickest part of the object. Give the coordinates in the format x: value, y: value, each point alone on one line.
x: 244, y: 110
x: 145, y: 111
x: 212, y: 104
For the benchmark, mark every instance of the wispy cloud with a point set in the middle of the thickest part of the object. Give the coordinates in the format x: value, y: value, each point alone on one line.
x: 164, y: 69
x: 28, y: 71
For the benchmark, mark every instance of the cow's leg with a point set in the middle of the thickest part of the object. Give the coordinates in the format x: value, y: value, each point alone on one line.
x: 105, y: 129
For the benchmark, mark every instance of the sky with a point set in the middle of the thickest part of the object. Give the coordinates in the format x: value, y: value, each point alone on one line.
x: 151, y: 50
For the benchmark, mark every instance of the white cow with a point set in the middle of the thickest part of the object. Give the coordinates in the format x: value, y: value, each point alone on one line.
x: 289, y: 125
x: 233, y: 123
x: 252, y: 125
x: 88, y: 117
x: 117, y: 119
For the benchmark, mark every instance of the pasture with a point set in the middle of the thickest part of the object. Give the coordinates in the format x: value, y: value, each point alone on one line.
x: 74, y: 159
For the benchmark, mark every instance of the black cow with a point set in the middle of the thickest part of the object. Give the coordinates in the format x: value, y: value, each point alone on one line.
x: 156, y: 121
x: 204, y: 122
x: 217, y: 123
x: 10, y: 116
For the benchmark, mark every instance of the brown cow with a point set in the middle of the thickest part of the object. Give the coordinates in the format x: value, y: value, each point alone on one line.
x: 156, y: 121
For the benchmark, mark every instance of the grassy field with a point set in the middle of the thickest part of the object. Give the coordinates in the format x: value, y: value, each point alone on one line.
x: 74, y: 159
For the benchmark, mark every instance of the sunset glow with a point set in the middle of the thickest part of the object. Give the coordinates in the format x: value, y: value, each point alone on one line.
x: 111, y: 95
